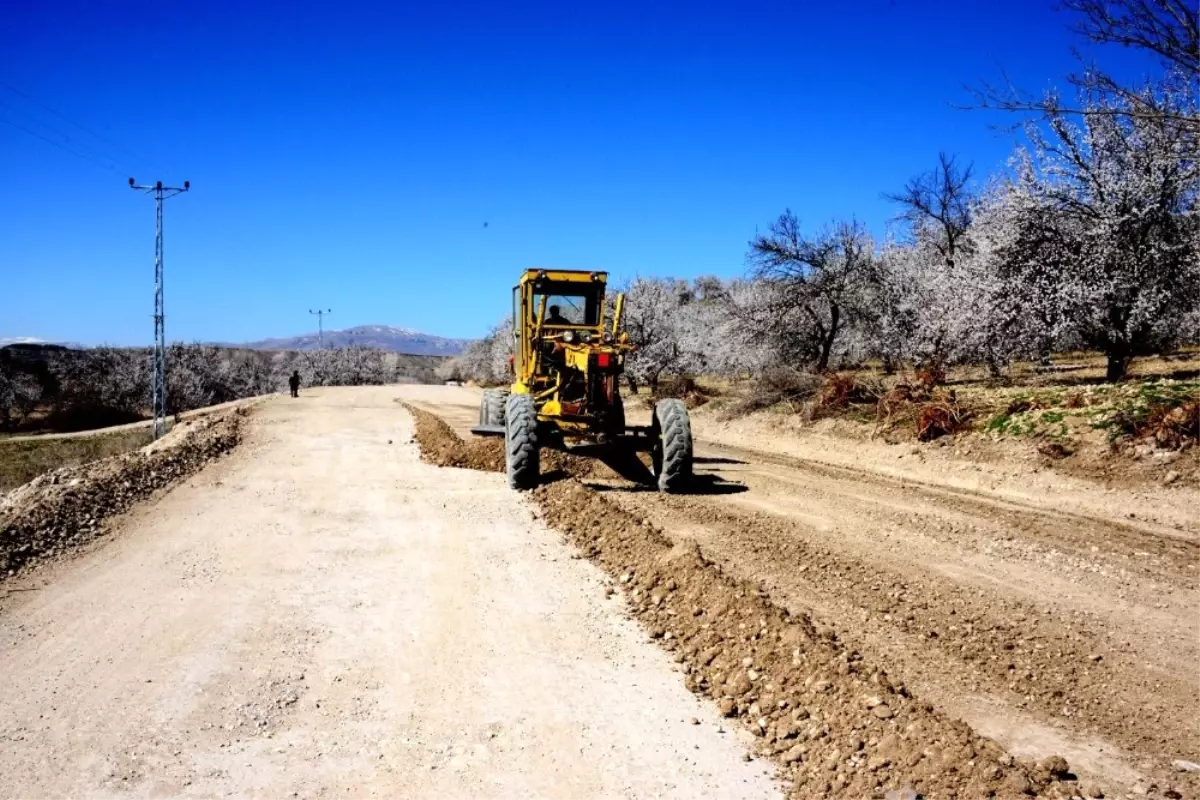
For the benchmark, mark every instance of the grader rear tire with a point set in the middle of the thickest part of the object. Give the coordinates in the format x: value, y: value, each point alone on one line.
x: 522, y: 459
x: 673, y: 450
x: 484, y: 410
x: 491, y: 406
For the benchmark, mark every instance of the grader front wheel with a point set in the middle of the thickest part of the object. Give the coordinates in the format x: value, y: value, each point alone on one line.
x: 672, y: 452
x: 521, y: 456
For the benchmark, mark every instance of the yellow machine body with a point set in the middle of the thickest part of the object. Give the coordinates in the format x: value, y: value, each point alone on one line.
x: 569, y: 351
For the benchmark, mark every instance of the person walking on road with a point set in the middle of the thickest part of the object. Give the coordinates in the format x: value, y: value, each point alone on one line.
x: 294, y: 382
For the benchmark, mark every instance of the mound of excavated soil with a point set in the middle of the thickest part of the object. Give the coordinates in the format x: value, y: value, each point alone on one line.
x: 834, y: 724
x: 442, y: 446
x: 69, y: 506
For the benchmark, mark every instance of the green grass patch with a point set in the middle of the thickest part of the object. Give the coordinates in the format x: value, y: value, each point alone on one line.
x: 999, y: 424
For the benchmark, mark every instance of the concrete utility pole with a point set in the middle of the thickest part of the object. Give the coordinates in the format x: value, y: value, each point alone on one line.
x: 320, y: 325
x: 159, y: 390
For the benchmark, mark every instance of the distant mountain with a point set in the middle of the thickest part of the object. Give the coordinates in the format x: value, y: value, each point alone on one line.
x: 5, y: 341
x: 384, y: 337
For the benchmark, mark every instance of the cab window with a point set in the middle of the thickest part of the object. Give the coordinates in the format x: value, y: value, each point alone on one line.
x: 567, y: 305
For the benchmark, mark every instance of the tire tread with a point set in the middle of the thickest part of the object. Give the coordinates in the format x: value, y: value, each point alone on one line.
x: 675, y: 430
x: 521, y: 455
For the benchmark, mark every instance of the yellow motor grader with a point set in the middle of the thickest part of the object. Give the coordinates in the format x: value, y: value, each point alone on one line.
x: 566, y: 365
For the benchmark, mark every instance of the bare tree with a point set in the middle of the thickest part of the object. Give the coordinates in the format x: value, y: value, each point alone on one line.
x: 823, y: 278
x: 923, y: 290
x: 938, y: 204
x: 1168, y: 29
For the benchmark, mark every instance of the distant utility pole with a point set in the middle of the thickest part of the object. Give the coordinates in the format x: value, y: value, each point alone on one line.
x: 159, y: 392
x: 320, y: 324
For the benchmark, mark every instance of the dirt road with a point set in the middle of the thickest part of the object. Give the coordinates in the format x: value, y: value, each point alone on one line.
x: 321, y: 614
x: 1059, y: 621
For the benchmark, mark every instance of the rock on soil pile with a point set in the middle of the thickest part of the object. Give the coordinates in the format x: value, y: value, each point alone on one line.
x: 69, y: 506
x: 835, y: 724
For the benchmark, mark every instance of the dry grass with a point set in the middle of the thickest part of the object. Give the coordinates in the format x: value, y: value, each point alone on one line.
x: 780, y: 386
x: 918, y: 408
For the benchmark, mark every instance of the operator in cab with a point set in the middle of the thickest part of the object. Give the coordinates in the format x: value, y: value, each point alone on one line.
x: 556, y: 317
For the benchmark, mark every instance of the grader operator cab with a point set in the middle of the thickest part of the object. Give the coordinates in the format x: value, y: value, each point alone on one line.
x: 566, y: 364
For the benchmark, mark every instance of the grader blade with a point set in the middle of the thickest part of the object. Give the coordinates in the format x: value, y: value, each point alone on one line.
x: 488, y: 430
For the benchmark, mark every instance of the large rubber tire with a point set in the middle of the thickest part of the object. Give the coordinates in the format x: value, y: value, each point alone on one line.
x: 522, y: 459
x: 491, y: 406
x: 484, y: 403
x: 673, y: 450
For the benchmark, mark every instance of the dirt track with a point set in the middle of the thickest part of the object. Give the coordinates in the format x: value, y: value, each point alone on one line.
x: 321, y: 614
x: 1049, y: 623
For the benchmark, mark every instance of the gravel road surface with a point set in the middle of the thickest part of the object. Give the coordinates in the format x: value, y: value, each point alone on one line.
x: 321, y: 614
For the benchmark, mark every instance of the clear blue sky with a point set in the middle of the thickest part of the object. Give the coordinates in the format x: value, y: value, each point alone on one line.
x: 349, y: 154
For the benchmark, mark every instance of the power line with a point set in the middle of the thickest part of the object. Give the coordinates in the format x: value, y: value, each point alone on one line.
x: 63, y: 137
x: 78, y: 125
x: 89, y: 158
x: 42, y: 129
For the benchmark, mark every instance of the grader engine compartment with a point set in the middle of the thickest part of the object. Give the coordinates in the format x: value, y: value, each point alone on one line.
x: 568, y: 355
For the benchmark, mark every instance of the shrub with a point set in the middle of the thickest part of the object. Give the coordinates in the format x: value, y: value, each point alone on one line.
x: 930, y: 374
x: 836, y: 391
x: 841, y: 390
x: 1174, y: 428
x: 684, y: 388
x: 941, y: 418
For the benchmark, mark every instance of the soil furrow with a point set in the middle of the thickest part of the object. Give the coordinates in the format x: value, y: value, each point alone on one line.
x: 1063, y: 662
x: 836, y: 723
x: 955, y: 640
x: 1157, y: 553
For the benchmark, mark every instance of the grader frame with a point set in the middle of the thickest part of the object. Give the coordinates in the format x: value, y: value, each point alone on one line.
x: 566, y: 391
